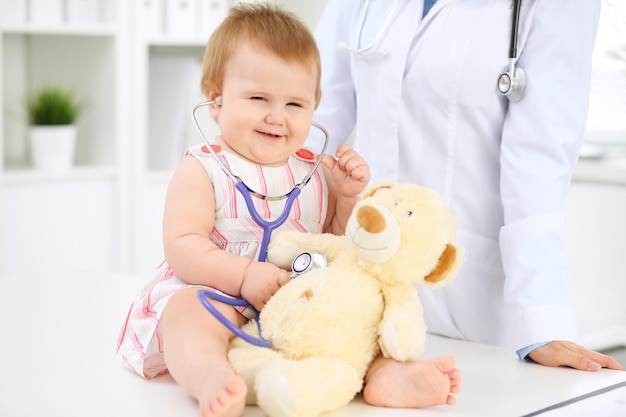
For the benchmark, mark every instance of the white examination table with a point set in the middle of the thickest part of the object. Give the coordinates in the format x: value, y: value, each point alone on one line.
x: 57, y: 359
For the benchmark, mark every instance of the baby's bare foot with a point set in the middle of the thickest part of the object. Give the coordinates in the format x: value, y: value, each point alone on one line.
x: 417, y: 384
x: 228, y: 400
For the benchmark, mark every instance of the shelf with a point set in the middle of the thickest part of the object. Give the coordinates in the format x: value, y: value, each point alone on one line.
x: 81, y: 173
x: 601, y: 171
x: 177, y: 41
x: 66, y: 30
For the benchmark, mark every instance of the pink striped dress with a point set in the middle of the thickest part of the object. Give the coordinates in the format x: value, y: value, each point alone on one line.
x: 140, y: 344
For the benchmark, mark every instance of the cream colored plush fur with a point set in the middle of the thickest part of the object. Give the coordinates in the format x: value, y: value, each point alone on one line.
x: 327, y: 325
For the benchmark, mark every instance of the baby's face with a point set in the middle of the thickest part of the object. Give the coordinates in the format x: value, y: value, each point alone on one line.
x: 267, y: 105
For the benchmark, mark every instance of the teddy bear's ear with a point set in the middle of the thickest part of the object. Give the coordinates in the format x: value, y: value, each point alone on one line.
x: 448, y: 261
x: 378, y: 186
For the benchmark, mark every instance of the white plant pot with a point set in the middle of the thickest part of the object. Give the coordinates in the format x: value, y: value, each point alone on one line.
x: 52, y: 147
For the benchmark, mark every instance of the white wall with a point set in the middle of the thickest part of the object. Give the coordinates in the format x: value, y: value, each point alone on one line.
x: 308, y: 10
x: 596, y: 255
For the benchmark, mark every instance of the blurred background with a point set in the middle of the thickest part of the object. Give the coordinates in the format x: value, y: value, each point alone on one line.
x: 136, y: 65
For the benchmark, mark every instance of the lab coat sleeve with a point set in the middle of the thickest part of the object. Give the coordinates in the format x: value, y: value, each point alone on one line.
x: 337, y: 110
x: 540, y: 143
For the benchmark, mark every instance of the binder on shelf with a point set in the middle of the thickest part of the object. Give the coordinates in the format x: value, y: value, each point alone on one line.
x: 210, y: 15
x: 83, y: 11
x: 180, y: 16
x: 45, y: 12
x: 169, y: 111
x: 13, y: 12
x: 151, y: 17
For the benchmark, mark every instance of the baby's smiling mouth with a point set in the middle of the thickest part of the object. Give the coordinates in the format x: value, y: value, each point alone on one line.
x: 270, y: 135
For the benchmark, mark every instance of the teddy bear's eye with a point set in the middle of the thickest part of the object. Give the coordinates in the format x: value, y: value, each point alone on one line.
x: 409, y: 213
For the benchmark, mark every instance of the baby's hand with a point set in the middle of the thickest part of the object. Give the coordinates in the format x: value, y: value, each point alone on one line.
x: 261, y: 281
x: 349, y: 171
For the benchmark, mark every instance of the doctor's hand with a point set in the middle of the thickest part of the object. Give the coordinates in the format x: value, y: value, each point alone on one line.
x: 349, y: 171
x: 561, y: 353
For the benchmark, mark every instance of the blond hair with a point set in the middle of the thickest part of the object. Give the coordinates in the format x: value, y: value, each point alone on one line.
x: 267, y: 26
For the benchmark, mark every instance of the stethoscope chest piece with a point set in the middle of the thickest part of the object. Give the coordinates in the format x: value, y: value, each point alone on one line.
x: 306, y: 261
x: 512, y: 85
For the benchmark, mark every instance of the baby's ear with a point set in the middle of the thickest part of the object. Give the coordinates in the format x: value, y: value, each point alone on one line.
x: 449, y: 261
x: 212, y: 92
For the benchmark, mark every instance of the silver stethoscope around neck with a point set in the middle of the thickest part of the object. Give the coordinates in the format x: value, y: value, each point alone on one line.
x: 301, y: 263
x: 367, y: 49
x: 511, y: 83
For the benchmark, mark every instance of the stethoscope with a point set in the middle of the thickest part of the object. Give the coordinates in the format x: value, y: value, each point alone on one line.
x: 511, y: 83
x: 300, y: 264
x: 247, y: 193
x: 367, y: 50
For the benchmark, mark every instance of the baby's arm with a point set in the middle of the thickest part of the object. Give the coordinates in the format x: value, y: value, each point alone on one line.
x: 187, y: 224
x: 349, y: 175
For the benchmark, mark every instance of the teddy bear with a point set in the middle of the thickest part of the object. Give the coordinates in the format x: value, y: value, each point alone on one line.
x: 327, y: 325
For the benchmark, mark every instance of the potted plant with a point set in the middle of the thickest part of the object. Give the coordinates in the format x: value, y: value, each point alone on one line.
x: 52, y: 114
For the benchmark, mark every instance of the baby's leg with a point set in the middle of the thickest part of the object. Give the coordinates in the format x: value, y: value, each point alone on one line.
x: 415, y: 384
x: 195, y: 348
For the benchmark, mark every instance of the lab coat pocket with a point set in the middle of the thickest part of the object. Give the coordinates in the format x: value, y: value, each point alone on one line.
x: 471, y: 40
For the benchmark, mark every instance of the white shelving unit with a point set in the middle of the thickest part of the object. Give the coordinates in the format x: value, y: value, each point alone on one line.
x: 71, y: 220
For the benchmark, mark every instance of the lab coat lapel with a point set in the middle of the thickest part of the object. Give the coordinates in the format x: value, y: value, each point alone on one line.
x: 382, y: 99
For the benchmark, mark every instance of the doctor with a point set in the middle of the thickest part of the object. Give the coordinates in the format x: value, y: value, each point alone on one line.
x: 420, y: 89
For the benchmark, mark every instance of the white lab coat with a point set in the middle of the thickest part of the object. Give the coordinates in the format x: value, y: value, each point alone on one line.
x: 426, y: 110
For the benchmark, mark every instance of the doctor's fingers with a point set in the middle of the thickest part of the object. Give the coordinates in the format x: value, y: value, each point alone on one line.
x: 561, y: 353
x: 605, y: 361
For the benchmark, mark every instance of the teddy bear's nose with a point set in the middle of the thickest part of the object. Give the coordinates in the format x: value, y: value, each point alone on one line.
x: 371, y: 219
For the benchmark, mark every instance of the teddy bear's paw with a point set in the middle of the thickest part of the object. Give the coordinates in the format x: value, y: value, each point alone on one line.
x: 402, y: 338
x: 282, y: 252
x: 274, y: 394
x: 306, y: 388
x: 287, y: 392
x: 248, y: 360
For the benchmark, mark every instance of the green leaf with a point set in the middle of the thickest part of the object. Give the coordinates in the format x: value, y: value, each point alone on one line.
x: 53, y: 106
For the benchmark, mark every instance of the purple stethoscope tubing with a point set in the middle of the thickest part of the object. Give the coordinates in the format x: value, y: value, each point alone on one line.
x: 204, y: 295
x: 268, y: 227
